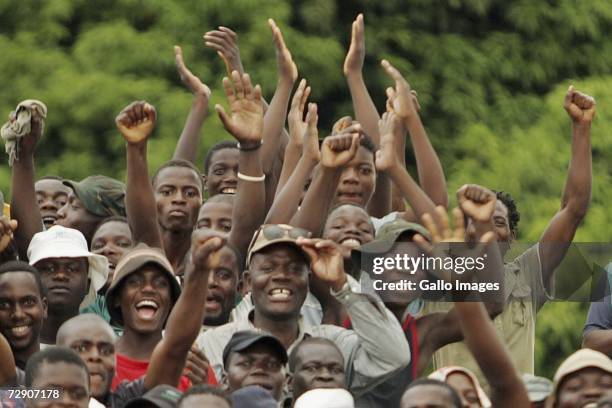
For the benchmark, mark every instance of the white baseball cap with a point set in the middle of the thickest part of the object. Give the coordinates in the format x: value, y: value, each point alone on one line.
x: 62, y: 242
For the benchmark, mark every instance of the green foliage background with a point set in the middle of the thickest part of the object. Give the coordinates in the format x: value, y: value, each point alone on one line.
x: 491, y: 75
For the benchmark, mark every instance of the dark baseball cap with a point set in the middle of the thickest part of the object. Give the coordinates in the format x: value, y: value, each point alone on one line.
x: 102, y: 196
x: 244, y: 339
x: 162, y: 396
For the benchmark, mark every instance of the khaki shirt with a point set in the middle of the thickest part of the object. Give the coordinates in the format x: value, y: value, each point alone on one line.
x: 524, y: 292
x: 374, y: 350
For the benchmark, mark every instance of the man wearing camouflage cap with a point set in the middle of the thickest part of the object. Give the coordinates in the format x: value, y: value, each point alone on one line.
x: 90, y: 201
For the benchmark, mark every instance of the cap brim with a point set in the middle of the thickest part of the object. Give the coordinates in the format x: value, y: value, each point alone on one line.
x: 283, y: 240
x: 262, y: 339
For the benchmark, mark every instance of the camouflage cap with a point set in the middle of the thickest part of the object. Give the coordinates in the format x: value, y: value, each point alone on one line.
x: 102, y: 196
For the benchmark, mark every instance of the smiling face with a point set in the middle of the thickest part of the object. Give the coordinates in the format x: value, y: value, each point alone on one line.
x: 65, y: 281
x: 51, y: 195
x: 75, y: 215
x: 178, y: 196
x: 257, y: 365
x: 357, y: 180
x: 350, y: 227
x: 94, y: 341
x: 112, y: 239
x: 222, y: 173
x: 278, y: 277
x: 22, y: 311
x: 583, y: 387
x: 216, y: 216
x: 317, y: 365
x: 145, y: 299
x: 222, y: 289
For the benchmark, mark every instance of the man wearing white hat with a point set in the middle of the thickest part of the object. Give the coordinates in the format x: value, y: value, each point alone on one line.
x: 70, y: 274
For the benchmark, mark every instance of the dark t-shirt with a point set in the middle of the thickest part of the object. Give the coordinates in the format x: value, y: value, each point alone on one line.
x: 600, y: 316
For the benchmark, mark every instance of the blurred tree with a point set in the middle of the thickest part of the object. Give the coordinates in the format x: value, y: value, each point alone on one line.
x: 490, y: 75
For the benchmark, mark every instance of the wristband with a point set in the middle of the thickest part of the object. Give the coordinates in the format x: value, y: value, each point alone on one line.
x: 251, y: 178
x: 249, y: 148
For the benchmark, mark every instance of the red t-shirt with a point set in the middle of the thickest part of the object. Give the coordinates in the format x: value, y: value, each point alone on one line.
x: 129, y: 369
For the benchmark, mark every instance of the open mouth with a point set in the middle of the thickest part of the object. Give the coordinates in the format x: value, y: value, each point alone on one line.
x: 213, y: 303
x: 280, y: 294
x: 147, y: 309
x: 228, y: 190
x: 350, y: 196
x: 351, y: 243
x: 21, y: 330
x: 49, y: 219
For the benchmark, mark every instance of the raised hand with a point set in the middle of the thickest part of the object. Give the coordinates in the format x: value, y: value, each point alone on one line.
x: 310, y: 148
x: 136, y: 121
x: 225, y: 42
x: 205, y: 246
x: 7, y: 228
x: 196, y: 367
x: 287, y: 69
x: 195, y: 85
x: 353, y: 63
x: 337, y: 150
x: 246, y: 106
x: 295, y: 119
x: 326, y: 261
x: 341, y: 124
x: 476, y: 202
x: 579, y: 106
x: 402, y: 99
x: 390, y: 126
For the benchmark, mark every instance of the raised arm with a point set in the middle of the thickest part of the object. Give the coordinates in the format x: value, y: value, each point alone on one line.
x: 187, y: 146
x: 187, y: 315
x: 8, y: 247
x: 246, y: 125
x: 287, y: 202
x: 376, y: 347
x: 577, y: 192
x: 297, y: 128
x: 405, y: 105
x: 507, y: 388
x: 136, y: 123
x: 388, y: 162
x: 225, y: 42
x: 24, y: 207
x: 336, y: 151
x: 365, y: 110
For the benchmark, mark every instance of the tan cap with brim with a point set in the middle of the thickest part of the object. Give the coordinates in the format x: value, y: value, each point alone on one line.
x: 130, y: 263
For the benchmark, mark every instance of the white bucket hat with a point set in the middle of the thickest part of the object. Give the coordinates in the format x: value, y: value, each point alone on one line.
x: 62, y: 242
x: 325, y: 397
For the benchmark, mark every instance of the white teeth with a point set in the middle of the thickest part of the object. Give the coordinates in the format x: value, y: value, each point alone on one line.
x: 19, y: 330
x: 351, y: 242
x: 229, y: 190
x: 280, y: 293
x: 147, y: 303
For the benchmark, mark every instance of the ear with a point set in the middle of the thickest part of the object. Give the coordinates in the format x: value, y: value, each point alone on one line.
x: 45, y: 307
x: 289, y: 381
x: 224, y: 381
x: 245, y: 282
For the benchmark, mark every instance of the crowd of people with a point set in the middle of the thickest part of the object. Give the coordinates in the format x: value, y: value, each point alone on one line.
x: 241, y: 283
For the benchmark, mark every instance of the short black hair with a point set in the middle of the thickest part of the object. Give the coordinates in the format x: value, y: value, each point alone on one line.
x: 204, y: 389
x: 430, y: 381
x: 50, y: 355
x: 112, y: 218
x: 224, y: 144
x: 513, y: 213
x: 366, y: 142
x: 178, y: 163
x: 20, y: 266
x: 309, y: 340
